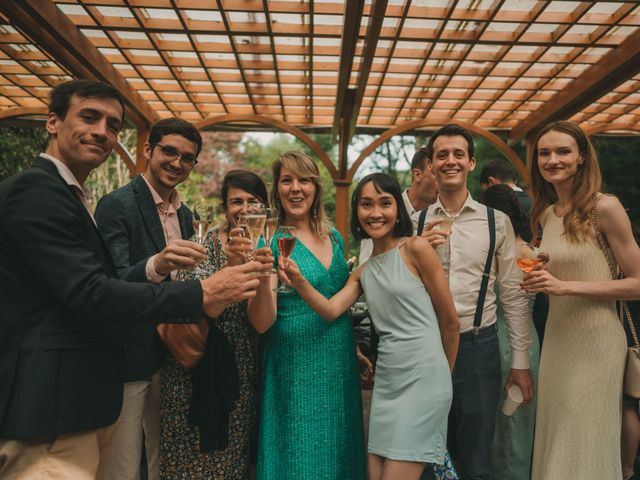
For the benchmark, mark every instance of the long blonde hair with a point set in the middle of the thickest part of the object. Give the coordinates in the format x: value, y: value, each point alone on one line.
x: 586, y: 184
x: 302, y: 166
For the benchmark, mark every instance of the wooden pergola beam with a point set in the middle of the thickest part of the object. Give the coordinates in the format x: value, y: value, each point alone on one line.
x: 376, y: 19
x: 350, y: 32
x: 615, y: 68
x: 48, y: 27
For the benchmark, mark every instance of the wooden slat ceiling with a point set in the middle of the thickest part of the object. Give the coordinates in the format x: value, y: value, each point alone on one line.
x: 493, y: 63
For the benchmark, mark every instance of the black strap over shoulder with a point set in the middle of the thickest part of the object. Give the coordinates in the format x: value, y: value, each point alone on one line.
x: 487, y: 271
x: 421, y: 219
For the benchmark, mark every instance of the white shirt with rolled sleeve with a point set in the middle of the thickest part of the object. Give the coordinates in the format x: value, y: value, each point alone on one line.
x: 469, y: 248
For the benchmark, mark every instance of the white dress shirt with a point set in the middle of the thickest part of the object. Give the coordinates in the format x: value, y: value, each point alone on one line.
x: 366, y: 245
x: 469, y: 246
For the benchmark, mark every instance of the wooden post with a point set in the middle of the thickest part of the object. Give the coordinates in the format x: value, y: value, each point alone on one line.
x: 141, y: 139
x: 342, y: 210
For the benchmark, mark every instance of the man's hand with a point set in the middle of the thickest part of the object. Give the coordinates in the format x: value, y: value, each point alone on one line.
x: 229, y: 285
x: 178, y: 255
x: 524, y: 380
x: 366, y: 367
x: 434, y: 236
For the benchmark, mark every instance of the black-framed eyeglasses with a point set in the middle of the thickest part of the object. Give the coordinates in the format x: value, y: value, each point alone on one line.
x: 171, y: 154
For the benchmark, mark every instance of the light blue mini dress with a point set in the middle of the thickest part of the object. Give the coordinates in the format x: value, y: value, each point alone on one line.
x: 413, y: 390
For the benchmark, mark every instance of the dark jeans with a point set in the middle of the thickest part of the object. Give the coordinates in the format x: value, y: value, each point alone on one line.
x: 476, y: 394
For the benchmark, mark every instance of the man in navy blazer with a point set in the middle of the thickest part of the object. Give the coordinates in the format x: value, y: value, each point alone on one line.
x: 147, y: 228
x: 61, y: 305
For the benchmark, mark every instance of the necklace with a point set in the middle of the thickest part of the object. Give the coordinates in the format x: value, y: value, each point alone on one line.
x: 560, y: 212
x: 379, y: 259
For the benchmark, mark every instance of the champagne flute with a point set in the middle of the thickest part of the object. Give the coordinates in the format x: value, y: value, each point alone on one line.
x: 270, y: 227
x: 243, y: 225
x: 202, y: 219
x: 255, y: 219
x: 447, y: 220
x: 445, y: 226
x: 286, y: 237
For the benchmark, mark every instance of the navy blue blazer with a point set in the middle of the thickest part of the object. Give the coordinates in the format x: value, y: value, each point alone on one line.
x: 61, y: 309
x: 128, y: 220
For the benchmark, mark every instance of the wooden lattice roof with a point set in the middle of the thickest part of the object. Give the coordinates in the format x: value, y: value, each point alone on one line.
x: 498, y: 64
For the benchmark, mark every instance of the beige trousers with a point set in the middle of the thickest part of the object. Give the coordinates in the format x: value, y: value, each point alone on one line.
x: 121, y: 443
x: 68, y: 457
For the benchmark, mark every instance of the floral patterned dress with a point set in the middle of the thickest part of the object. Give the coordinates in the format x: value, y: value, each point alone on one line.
x: 180, y: 456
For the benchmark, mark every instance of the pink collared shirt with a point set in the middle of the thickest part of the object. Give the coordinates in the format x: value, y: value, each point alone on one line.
x: 168, y: 215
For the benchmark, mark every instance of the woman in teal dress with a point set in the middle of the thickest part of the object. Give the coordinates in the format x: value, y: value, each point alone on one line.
x: 512, y: 445
x: 311, y: 411
x: 413, y: 312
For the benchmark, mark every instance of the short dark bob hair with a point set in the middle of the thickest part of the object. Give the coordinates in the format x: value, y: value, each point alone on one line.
x: 387, y: 184
x: 244, y: 180
x: 61, y: 95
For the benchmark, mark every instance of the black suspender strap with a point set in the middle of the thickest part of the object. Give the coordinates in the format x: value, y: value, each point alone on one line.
x: 421, y: 219
x: 487, y: 271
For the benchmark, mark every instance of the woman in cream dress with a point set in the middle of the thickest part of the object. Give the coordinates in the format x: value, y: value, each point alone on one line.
x: 583, y: 358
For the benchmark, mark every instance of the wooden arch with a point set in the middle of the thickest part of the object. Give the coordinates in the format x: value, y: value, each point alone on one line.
x: 611, y: 126
x: 279, y: 124
x: 23, y: 112
x: 494, y: 139
x: 119, y: 148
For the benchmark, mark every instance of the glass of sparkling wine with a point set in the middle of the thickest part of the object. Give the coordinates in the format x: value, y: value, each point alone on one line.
x: 270, y: 228
x: 256, y: 219
x: 445, y: 226
x: 447, y: 220
x: 286, y: 237
x: 202, y: 220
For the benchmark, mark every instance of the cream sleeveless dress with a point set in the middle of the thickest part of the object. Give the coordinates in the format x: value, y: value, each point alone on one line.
x: 581, y: 369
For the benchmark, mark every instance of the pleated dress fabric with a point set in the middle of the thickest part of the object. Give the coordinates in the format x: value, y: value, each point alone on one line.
x: 311, y: 418
x: 578, y: 420
x: 413, y: 391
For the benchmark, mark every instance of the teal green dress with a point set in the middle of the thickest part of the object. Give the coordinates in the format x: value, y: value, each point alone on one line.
x: 311, y: 411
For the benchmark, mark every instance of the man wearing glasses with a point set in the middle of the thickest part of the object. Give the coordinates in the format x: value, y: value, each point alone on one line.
x: 147, y: 228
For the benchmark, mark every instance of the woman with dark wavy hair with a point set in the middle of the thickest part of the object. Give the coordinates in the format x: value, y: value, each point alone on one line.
x: 513, y: 437
x: 583, y: 360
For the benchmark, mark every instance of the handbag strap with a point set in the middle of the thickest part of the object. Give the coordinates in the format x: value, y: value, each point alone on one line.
x: 616, y: 273
x: 625, y: 308
x: 602, y: 240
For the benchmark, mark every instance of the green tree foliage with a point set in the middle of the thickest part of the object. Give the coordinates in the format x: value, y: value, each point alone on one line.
x: 619, y: 159
x: 19, y: 145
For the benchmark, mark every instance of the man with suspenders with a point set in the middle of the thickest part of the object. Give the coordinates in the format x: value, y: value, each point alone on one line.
x: 482, y: 252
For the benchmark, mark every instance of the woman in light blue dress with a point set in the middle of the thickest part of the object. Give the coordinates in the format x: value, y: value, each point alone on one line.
x: 413, y: 312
